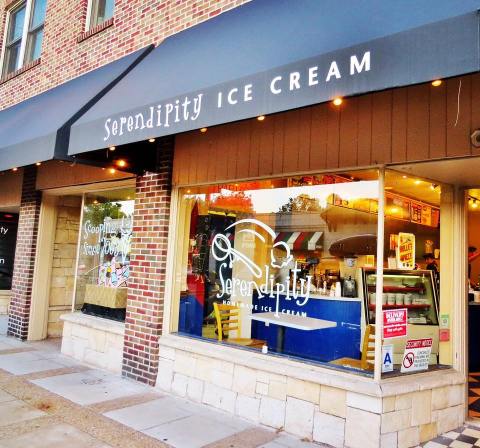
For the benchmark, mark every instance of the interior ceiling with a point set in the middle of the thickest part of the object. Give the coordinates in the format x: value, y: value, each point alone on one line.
x: 463, y: 172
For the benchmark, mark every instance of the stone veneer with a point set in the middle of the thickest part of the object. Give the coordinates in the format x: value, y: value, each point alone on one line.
x: 311, y: 402
x: 63, y: 263
x: 93, y: 340
x: 4, y: 301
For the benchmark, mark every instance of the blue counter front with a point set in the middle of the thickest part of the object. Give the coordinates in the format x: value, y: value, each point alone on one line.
x: 320, y: 345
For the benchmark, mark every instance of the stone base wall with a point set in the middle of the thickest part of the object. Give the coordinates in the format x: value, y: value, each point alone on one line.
x: 63, y: 263
x: 355, y: 412
x: 93, y: 340
x: 4, y: 302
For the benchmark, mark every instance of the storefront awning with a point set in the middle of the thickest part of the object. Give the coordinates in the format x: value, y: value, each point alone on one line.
x: 300, y: 240
x: 274, y: 55
x: 37, y: 129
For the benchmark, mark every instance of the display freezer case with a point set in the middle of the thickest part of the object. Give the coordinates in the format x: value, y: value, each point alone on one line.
x: 413, y: 290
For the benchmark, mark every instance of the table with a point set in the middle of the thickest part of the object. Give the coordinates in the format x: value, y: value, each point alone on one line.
x: 288, y: 320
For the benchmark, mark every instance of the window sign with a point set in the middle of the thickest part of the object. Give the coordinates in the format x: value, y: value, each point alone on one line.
x: 8, y: 239
x: 275, y: 265
x: 104, y: 253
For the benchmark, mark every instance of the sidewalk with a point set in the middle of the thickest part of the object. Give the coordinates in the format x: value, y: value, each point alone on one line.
x: 48, y: 400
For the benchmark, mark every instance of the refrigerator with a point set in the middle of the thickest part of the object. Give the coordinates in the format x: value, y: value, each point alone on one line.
x: 414, y: 290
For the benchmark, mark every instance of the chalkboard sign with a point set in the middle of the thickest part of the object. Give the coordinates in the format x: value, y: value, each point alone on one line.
x: 8, y: 239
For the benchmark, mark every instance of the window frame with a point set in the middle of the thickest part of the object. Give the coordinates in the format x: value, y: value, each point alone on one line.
x: 26, y: 31
x: 90, y: 15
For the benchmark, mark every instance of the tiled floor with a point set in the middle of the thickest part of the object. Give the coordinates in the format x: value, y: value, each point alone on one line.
x: 474, y: 395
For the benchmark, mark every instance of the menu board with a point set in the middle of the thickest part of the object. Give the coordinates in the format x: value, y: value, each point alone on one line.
x: 397, y: 207
x: 8, y: 239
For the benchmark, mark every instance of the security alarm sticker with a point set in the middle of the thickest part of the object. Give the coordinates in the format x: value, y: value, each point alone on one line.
x: 417, y: 355
x: 387, y: 358
x: 394, y: 323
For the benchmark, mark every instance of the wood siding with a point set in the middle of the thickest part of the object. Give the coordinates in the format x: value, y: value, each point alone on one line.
x: 56, y: 174
x: 415, y: 123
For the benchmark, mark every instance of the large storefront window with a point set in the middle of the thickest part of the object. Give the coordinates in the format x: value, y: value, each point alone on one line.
x: 8, y: 239
x: 104, y: 253
x: 411, y: 275
x: 278, y: 266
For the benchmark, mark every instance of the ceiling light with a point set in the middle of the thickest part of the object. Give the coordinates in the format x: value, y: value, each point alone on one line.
x: 38, y: 163
x: 15, y: 169
x: 261, y: 117
x: 337, y: 101
x: 203, y: 130
x: 437, y: 82
x: 151, y: 140
x: 112, y: 148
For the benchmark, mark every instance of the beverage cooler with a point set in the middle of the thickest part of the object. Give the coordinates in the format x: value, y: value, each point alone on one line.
x: 414, y: 290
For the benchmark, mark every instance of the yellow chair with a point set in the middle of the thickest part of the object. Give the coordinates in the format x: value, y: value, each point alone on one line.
x: 228, y: 319
x: 366, y: 362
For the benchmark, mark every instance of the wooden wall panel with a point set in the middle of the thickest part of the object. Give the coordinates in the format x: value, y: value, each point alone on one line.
x: 11, y: 188
x: 458, y: 131
x: 318, y: 139
x: 475, y: 108
x: 291, y: 141
x: 399, y: 125
x: 333, y: 136
x: 56, y: 174
x: 417, y: 122
x: 407, y: 124
x: 381, y: 127
x: 438, y: 122
x: 266, y: 147
x: 278, y: 142
x: 243, y: 151
x: 364, y: 144
x: 304, y: 134
x: 349, y: 133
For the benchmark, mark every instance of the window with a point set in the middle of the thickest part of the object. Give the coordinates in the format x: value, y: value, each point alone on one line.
x: 100, y: 11
x: 23, y: 41
x: 104, y: 253
x: 277, y: 266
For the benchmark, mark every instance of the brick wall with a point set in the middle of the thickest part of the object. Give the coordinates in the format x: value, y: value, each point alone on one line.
x: 136, y: 24
x: 146, y: 289
x: 24, y: 256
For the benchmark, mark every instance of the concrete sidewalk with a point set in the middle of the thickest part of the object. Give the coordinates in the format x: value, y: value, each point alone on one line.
x: 48, y: 400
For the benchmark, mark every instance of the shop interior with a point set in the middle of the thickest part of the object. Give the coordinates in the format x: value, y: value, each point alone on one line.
x: 288, y: 266
x: 473, y: 201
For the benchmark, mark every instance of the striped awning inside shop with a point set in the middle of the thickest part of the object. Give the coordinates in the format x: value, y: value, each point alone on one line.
x: 300, y: 240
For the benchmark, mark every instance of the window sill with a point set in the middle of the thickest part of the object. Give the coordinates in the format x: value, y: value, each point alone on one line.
x: 18, y: 72
x: 95, y: 30
x: 313, y: 373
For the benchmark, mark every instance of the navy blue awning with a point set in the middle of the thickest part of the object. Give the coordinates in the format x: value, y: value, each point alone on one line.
x: 273, y: 55
x: 37, y: 129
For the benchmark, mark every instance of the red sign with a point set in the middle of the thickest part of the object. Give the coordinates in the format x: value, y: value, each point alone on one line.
x: 394, y: 323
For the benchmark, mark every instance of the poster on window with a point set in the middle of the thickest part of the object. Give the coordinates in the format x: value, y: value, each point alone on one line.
x: 8, y: 238
x: 406, y: 251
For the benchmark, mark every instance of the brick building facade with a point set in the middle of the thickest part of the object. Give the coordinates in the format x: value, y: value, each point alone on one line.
x: 207, y: 177
x: 68, y: 51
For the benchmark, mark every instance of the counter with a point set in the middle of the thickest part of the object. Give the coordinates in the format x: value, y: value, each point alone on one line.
x: 322, y: 345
